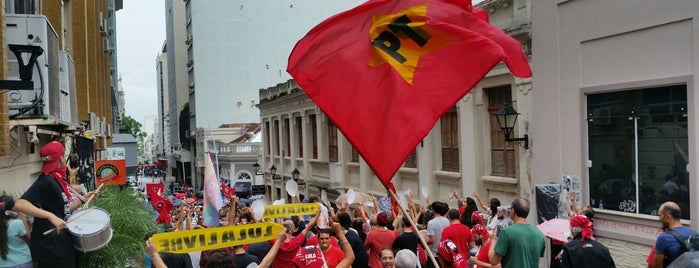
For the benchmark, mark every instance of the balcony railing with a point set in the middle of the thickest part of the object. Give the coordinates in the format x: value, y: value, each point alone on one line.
x: 239, y: 148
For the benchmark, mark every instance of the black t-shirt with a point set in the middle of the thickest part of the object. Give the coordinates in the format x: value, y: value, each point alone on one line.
x: 259, y: 249
x: 407, y: 240
x: 361, y: 258
x: 176, y: 260
x: 47, y: 194
x: 244, y: 259
x: 587, y: 253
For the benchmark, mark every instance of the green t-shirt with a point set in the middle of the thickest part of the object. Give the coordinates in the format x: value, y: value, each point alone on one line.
x: 520, y: 245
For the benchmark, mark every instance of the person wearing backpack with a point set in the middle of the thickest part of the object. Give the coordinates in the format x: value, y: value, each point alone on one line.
x: 667, y: 247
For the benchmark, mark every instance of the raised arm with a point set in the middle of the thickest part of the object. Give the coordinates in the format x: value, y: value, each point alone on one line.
x: 272, y: 253
x: 344, y: 245
x: 484, y: 205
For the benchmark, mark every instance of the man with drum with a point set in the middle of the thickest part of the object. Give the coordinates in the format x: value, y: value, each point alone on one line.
x: 50, y: 202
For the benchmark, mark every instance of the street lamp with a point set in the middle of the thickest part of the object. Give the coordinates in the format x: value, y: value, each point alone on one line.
x: 256, y: 167
x: 296, y: 175
x: 507, y: 118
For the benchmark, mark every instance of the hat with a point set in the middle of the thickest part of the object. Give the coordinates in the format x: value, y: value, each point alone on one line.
x: 50, y: 156
x: 481, y: 230
x: 477, y: 217
x: 584, y: 224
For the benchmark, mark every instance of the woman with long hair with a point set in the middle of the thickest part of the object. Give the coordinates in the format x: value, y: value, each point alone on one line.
x: 14, y: 236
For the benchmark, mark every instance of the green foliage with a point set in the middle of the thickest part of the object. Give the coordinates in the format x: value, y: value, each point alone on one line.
x: 131, y: 220
x: 133, y: 127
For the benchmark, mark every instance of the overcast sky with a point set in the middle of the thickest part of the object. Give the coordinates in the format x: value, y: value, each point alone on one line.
x: 140, y: 37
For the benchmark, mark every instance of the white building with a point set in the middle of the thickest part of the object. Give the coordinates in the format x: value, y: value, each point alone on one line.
x: 615, y: 103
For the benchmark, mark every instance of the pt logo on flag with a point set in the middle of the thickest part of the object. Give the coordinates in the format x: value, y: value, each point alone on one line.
x: 400, y: 39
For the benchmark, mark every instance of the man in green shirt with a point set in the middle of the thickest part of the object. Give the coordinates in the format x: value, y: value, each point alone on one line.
x: 521, y: 244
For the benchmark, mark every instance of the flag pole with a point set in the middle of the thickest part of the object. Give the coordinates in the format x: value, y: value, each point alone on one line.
x: 412, y: 223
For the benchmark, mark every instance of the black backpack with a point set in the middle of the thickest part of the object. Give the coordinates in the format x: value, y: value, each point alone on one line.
x: 689, y: 250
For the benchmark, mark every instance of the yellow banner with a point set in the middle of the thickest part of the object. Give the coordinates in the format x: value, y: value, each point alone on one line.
x: 288, y: 210
x: 214, y: 238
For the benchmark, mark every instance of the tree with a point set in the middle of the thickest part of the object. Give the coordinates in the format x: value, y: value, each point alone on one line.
x: 133, y: 127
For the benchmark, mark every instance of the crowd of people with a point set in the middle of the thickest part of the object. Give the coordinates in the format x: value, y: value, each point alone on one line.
x: 492, y: 235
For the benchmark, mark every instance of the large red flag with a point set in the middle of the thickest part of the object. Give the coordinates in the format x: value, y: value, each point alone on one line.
x: 386, y: 70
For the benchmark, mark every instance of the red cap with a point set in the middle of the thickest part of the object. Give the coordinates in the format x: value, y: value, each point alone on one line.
x: 449, y: 252
x: 481, y: 230
x: 477, y: 217
x: 50, y: 156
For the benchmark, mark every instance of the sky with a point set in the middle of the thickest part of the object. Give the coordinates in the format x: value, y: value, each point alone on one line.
x: 140, y: 36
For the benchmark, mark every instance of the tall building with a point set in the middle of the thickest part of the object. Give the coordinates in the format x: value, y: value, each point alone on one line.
x: 73, y: 82
x: 162, y: 125
x: 176, y: 128
x: 233, y: 49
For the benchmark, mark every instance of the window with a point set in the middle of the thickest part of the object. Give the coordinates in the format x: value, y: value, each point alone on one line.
x: 268, y: 140
x: 287, y: 136
x: 411, y: 161
x: 277, y: 140
x: 638, y: 145
x: 299, y: 134
x: 355, y: 155
x: 332, y: 142
x: 502, y: 154
x: 314, y: 135
x: 244, y: 176
x: 450, y: 140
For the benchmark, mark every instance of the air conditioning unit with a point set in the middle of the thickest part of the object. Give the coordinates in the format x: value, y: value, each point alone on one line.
x: 103, y: 126
x: 67, y: 87
x: 103, y: 25
x: 109, y: 131
x: 105, y: 45
x: 94, y: 122
x: 44, y: 99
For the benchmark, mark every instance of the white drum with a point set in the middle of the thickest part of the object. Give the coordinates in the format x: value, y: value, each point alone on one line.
x: 90, y: 228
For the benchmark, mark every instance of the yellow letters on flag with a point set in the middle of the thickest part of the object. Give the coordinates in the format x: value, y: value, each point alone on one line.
x: 214, y: 238
x: 288, y: 210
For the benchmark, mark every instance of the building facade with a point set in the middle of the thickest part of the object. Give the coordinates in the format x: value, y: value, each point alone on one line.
x: 615, y: 105
x: 73, y: 87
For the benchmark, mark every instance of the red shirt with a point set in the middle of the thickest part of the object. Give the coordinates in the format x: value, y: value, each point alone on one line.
x: 333, y: 256
x: 483, y: 253
x: 460, y: 234
x: 376, y: 240
x: 308, y: 257
x: 287, y: 251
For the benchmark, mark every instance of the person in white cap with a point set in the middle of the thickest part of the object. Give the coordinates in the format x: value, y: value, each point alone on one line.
x: 51, y: 203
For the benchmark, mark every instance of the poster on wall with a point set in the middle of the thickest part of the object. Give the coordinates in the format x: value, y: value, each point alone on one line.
x: 571, y: 184
x: 111, y: 172
x: 85, y: 148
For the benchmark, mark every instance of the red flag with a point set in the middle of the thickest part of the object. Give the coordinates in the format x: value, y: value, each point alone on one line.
x: 227, y: 191
x: 162, y: 206
x: 386, y: 70
x: 154, y: 188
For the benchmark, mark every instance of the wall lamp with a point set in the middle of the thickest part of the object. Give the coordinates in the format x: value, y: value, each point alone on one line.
x: 507, y: 118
